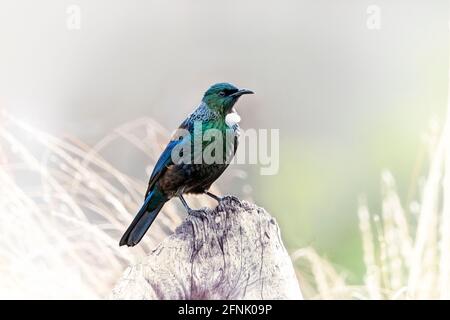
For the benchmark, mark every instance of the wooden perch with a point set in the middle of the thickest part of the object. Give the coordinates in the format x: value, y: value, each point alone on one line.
x: 231, y: 252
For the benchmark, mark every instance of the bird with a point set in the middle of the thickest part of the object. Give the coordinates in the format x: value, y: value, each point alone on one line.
x: 178, y: 170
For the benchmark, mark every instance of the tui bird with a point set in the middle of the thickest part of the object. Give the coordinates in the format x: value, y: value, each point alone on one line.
x: 173, y: 177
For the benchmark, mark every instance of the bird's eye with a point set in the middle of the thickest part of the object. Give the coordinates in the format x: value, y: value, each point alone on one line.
x: 222, y: 93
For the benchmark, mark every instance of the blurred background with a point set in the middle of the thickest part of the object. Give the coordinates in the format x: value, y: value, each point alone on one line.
x: 349, y: 100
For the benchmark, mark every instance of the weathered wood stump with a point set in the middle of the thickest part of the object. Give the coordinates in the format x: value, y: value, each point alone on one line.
x: 231, y: 252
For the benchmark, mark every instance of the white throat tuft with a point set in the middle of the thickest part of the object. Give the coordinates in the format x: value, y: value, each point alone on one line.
x: 232, y: 118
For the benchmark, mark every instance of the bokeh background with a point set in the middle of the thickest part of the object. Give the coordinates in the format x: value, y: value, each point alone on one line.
x: 349, y: 101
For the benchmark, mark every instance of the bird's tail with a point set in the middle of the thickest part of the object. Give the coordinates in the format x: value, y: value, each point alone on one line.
x: 144, y: 218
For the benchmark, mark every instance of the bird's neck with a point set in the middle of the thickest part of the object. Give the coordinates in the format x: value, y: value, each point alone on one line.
x: 211, y: 118
x: 205, y: 113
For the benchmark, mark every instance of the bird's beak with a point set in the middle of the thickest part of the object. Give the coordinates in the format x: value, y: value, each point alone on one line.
x: 242, y: 92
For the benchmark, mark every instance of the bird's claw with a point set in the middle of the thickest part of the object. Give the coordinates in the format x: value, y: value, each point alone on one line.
x: 231, y: 197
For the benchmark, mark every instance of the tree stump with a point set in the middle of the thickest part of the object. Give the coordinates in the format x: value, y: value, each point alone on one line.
x: 234, y: 251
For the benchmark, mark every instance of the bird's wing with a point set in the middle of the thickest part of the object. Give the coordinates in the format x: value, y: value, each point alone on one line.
x: 165, y: 160
x: 161, y: 165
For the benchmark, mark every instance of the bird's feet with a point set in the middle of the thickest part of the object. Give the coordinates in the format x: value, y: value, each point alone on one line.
x: 186, y: 206
x: 212, y: 195
x: 220, y: 199
x: 233, y: 198
x: 217, y: 198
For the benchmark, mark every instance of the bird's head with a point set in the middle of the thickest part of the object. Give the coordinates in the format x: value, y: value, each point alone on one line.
x: 222, y: 97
